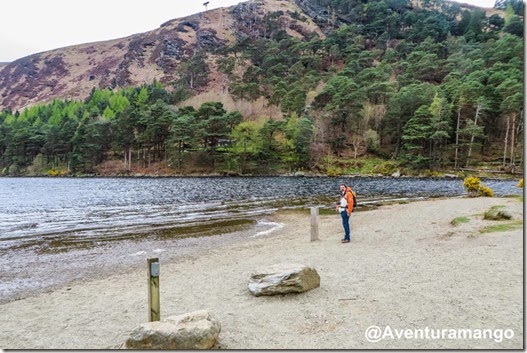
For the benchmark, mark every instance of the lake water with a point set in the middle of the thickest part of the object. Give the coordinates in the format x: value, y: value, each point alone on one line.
x: 84, y: 224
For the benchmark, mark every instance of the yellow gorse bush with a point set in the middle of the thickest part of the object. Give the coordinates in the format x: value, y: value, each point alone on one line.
x: 53, y: 172
x: 474, y: 187
x: 471, y: 184
x: 486, y: 191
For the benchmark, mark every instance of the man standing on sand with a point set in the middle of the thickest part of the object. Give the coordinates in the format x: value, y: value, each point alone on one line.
x: 345, y: 207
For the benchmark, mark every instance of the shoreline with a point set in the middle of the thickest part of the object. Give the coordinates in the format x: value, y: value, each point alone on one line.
x: 121, y: 256
x: 413, y: 269
x: 351, y: 176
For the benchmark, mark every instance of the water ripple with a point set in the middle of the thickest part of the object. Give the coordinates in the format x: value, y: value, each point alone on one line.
x: 91, y: 210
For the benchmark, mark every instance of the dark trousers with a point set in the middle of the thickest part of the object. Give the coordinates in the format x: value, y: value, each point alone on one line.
x: 346, y: 224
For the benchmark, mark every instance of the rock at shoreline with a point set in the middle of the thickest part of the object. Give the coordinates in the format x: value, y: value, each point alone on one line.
x: 195, y: 330
x: 283, y: 279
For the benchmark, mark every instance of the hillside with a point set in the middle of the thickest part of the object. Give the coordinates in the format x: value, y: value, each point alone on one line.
x: 277, y: 86
x: 72, y: 72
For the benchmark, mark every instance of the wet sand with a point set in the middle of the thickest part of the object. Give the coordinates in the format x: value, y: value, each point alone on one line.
x: 406, y: 267
x: 48, y: 265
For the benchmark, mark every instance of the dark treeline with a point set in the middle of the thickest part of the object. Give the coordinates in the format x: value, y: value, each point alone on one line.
x: 433, y: 87
x: 139, y: 127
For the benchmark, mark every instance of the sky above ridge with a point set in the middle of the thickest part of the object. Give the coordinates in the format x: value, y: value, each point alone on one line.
x: 32, y: 26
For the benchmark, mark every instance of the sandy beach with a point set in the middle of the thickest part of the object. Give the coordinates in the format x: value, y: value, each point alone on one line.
x: 407, y: 267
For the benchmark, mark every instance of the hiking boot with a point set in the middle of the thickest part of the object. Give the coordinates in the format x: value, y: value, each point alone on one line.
x: 345, y: 241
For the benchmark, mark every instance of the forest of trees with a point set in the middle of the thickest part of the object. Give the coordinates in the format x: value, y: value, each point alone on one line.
x: 430, y: 88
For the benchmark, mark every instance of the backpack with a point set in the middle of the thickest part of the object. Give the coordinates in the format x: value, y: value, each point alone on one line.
x: 354, y: 197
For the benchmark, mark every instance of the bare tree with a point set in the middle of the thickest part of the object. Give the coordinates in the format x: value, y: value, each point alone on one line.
x: 456, y: 158
x: 478, y: 110
x: 506, y: 142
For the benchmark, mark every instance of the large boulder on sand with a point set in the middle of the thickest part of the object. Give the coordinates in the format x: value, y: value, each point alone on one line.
x: 283, y: 279
x: 195, y: 330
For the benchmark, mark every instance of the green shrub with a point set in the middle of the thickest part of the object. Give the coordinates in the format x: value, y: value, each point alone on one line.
x: 373, y: 141
x: 334, y: 171
x: 459, y: 220
x: 387, y: 168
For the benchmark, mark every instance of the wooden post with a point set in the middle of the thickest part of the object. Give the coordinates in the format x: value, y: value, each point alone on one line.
x: 153, y: 290
x: 314, y: 223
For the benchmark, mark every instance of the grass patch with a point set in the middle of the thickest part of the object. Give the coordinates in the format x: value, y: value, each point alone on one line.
x: 459, y: 220
x: 505, y: 227
x: 497, y: 213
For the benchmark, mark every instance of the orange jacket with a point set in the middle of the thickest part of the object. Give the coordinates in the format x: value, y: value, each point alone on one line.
x: 349, y: 199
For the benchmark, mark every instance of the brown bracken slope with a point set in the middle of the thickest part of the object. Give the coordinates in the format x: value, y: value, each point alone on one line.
x: 72, y: 72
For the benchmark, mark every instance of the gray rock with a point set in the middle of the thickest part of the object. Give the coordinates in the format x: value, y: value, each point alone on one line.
x: 283, y: 279
x: 206, y: 38
x: 195, y: 330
